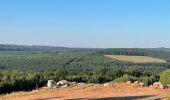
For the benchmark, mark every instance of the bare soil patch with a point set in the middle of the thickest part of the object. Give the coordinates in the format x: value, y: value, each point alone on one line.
x: 118, y: 91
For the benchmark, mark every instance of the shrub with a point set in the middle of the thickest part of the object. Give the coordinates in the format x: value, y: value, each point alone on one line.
x: 148, y: 80
x: 125, y: 78
x: 165, y: 77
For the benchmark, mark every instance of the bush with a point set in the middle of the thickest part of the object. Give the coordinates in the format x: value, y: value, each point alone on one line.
x: 99, y: 75
x: 165, y: 77
x: 113, y: 74
x: 148, y: 80
x: 125, y: 78
x: 145, y: 80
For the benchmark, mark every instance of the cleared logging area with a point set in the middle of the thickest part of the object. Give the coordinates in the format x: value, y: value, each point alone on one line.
x: 136, y: 59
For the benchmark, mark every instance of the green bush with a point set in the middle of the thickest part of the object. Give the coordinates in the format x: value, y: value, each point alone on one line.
x: 148, y: 80
x: 165, y: 77
x: 125, y: 78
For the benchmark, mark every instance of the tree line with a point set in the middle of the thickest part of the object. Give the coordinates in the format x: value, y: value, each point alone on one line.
x: 136, y: 52
x: 14, y: 80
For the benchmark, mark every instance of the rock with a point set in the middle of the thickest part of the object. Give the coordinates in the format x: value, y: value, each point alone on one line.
x: 51, y: 84
x: 79, y: 84
x: 128, y: 82
x: 136, y: 83
x: 73, y: 82
x: 63, y: 82
x: 161, y: 86
x: 141, y: 84
x: 158, y: 85
x: 64, y: 86
x: 107, y: 85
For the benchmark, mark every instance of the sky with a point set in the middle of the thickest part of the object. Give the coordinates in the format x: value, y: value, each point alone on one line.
x: 86, y: 23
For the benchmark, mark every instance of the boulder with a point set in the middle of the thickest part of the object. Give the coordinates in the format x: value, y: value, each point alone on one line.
x: 106, y: 84
x: 73, y: 82
x: 79, y: 84
x: 51, y: 84
x: 136, y: 83
x: 64, y: 86
x: 63, y: 82
x: 158, y: 85
x: 161, y: 86
x: 128, y: 82
x: 141, y: 84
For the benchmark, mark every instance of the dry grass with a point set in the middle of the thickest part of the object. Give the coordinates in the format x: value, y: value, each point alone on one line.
x: 136, y: 59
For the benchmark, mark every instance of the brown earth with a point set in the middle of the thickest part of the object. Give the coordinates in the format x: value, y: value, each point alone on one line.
x: 118, y: 91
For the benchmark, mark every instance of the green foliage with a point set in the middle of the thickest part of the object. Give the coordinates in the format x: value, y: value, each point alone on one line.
x: 70, y: 61
x: 24, y: 71
x: 165, y: 77
x: 113, y: 74
x: 148, y: 80
x: 134, y: 71
x: 13, y: 80
x: 125, y: 78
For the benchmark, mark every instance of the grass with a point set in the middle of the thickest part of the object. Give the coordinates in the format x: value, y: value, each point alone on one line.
x: 136, y: 59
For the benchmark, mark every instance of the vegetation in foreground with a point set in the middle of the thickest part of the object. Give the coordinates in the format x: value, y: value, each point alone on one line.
x: 165, y: 77
x: 13, y: 80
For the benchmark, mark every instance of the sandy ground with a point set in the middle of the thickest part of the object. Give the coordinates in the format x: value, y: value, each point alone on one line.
x: 118, y: 91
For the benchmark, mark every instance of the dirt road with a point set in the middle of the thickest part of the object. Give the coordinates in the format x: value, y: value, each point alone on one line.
x: 118, y: 91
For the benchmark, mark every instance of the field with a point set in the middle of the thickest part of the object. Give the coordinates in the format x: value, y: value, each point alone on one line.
x: 136, y: 59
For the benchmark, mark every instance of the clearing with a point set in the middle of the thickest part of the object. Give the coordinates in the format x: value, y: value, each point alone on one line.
x: 117, y: 91
x: 136, y: 59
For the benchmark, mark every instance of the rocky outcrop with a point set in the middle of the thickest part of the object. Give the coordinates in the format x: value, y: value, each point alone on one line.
x: 63, y: 83
x: 158, y: 85
x: 51, y: 84
x: 141, y: 84
x: 136, y: 83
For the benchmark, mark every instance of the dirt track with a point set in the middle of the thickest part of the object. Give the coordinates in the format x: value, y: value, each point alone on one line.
x: 119, y: 91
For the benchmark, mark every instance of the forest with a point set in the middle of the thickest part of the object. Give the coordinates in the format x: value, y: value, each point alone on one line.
x: 25, y: 69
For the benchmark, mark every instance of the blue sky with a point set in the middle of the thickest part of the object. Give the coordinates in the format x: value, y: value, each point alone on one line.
x: 86, y: 23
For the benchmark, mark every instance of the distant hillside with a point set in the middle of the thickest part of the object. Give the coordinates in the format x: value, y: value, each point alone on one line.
x: 4, y: 47
x: 160, y: 49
